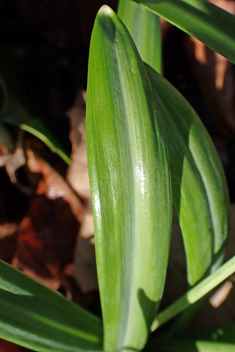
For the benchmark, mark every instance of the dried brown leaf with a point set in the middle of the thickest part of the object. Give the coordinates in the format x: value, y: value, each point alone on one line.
x: 53, y: 184
x: 46, y: 240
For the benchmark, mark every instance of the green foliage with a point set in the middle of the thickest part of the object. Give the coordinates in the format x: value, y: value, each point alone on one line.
x: 145, y: 143
x: 198, y: 183
x: 29, y: 123
x: 126, y: 151
x: 201, y: 19
x: 195, y: 293
x: 38, y: 318
x: 144, y: 27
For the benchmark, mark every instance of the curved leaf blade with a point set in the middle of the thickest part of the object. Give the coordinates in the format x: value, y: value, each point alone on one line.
x: 33, y: 316
x: 201, y: 19
x: 130, y: 185
x: 37, y: 128
x: 199, y: 187
x: 144, y: 27
x: 17, y: 112
x: 195, y: 293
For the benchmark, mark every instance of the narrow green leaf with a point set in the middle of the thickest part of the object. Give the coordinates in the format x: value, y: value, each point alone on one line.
x: 130, y: 185
x: 34, y: 125
x: 196, y: 293
x: 16, y: 111
x: 199, y: 187
x: 144, y: 27
x: 33, y: 316
x: 201, y: 19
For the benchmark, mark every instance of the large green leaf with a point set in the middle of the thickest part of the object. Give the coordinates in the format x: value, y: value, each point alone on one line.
x: 144, y: 27
x: 33, y: 316
x: 201, y: 19
x: 199, y: 187
x: 130, y: 185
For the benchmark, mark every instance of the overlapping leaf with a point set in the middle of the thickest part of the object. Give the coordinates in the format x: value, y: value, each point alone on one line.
x: 144, y: 27
x: 201, y: 19
x: 199, y: 187
x: 195, y: 293
x: 130, y: 185
x: 33, y: 316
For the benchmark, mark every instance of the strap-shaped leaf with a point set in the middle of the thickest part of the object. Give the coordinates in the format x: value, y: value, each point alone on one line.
x: 33, y: 316
x: 144, y: 27
x: 195, y: 293
x: 17, y: 112
x: 28, y: 122
x: 201, y: 19
x: 198, y: 183
x: 130, y: 185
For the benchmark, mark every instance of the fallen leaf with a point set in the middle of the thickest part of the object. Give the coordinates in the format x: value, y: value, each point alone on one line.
x: 8, y: 240
x: 6, y: 145
x: 53, y: 184
x: 222, y: 293
x: 6, y: 346
x: 77, y: 176
x: 46, y: 240
x: 47, y: 234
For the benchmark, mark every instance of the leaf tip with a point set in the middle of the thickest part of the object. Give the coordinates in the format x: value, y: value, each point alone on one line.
x: 105, y: 10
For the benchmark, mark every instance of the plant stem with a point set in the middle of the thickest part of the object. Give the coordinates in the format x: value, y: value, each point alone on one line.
x: 195, y: 294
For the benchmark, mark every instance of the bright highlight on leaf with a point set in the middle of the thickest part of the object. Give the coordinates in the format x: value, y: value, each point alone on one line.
x: 144, y: 142
x: 130, y: 185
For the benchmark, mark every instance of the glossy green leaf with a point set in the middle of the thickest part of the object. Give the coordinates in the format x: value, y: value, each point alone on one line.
x: 144, y: 27
x: 198, y: 183
x: 130, y: 185
x: 33, y: 316
x: 201, y: 19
